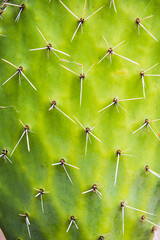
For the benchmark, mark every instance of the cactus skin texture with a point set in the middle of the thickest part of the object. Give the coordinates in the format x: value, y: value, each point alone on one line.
x: 55, y: 137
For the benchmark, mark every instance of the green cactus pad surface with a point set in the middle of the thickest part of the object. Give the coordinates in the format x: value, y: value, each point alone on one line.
x: 53, y: 136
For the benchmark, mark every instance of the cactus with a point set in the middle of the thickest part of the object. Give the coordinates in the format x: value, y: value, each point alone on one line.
x: 69, y: 104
